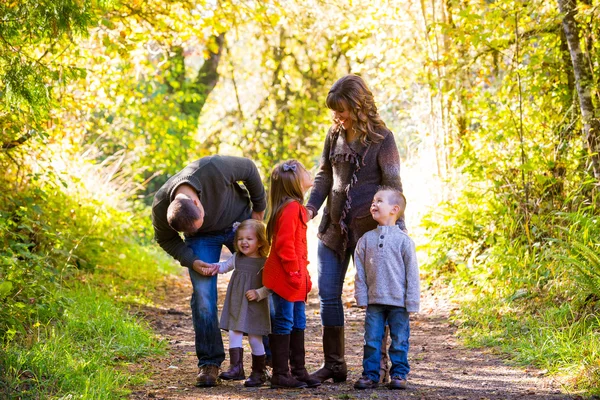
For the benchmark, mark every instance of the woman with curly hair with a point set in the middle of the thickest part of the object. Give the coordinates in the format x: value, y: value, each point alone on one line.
x: 359, y: 156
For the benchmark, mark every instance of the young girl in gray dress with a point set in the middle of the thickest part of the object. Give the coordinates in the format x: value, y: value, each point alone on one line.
x: 246, y: 307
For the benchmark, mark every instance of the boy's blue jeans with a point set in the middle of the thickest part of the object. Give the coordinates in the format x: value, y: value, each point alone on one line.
x: 332, y: 271
x: 375, y: 320
x: 209, y: 345
x: 288, y: 315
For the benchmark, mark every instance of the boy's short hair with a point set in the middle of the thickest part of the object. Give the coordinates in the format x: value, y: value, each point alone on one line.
x: 395, y: 197
x: 182, y: 215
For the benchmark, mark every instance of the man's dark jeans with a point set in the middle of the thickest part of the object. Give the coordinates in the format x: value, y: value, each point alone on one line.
x: 205, y: 317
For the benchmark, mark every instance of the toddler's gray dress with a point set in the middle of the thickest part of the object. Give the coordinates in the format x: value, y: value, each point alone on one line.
x: 239, y: 314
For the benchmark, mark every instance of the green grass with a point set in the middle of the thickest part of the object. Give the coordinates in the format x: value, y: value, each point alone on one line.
x: 562, y: 336
x: 83, y: 354
x: 84, y: 350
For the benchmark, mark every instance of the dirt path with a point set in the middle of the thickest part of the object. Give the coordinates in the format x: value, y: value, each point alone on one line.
x: 441, y: 368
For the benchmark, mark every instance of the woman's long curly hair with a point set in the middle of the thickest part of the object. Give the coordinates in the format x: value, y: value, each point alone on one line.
x: 351, y: 93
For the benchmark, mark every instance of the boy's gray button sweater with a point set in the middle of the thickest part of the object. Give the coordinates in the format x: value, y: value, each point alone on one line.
x: 387, y: 274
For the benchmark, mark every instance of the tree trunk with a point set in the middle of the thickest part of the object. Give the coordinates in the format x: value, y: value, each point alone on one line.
x: 206, y: 79
x: 584, y: 83
x: 204, y: 83
x: 462, y: 75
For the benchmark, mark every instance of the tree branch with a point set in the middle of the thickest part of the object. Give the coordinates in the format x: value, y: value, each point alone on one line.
x: 18, y: 142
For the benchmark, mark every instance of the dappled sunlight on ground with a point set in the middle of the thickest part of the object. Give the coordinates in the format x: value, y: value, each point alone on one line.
x: 441, y: 367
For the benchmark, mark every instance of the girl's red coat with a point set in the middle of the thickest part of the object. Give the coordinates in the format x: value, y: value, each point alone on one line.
x: 286, y: 270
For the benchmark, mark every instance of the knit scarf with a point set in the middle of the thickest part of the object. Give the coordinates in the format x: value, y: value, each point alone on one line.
x: 342, y: 152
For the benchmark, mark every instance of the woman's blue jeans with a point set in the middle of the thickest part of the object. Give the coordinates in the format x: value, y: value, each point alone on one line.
x: 205, y: 317
x: 288, y: 315
x: 332, y: 271
x: 375, y: 320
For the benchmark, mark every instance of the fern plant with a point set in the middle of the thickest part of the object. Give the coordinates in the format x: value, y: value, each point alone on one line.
x: 582, y: 249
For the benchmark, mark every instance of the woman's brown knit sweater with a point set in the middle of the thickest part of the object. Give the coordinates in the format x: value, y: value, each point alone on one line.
x: 349, y: 176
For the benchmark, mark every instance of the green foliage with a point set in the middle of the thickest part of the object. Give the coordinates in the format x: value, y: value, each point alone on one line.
x: 581, y: 251
x: 34, y: 35
x: 47, y: 235
x: 531, y: 294
x: 474, y: 230
x: 60, y: 336
x: 517, y: 240
x: 123, y: 95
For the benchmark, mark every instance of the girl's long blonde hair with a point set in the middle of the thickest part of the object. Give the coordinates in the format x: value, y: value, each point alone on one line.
x: 351, y: 93
x: 261, y: 235
x: 285, y: 187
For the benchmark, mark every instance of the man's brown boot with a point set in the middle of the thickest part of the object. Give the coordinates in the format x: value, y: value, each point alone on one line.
x: 208, y: 376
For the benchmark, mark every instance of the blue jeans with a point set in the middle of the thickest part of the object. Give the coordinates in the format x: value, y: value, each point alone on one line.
x: 288, y: 315
x: 375, y: 320
x: 205, y: 317
x: 332, y: 271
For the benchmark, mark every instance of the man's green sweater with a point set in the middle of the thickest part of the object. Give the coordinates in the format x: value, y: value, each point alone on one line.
x: 225, y: 202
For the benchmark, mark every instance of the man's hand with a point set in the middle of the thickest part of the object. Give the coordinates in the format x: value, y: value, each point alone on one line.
x: 310, y: 214
x: 252, y: 295
x: 205, y: 269
x: 258, y: 215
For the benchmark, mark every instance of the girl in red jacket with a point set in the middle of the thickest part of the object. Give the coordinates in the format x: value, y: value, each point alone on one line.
x: 286, y: 275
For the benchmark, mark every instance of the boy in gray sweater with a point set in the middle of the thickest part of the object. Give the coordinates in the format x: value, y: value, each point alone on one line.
x: 387, y: 285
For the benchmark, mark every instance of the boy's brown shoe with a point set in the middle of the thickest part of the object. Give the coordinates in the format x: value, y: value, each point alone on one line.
x: 365, y: 383
x: 208, y: 376
x: 397, y: 383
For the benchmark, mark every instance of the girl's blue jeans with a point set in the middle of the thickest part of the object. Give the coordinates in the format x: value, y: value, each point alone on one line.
x: 287, y: 315
x: 332, y: 271
x: 375, y: 320
x: 209, y: 345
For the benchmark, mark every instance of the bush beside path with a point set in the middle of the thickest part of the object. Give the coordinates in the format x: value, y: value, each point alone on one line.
x: 441, y: 367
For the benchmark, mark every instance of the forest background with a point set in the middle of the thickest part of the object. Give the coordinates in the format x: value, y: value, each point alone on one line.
x: 494, y: 104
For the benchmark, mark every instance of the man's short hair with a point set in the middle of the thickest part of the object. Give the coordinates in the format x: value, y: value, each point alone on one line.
x: 182, y: 215
x: 395, y: 197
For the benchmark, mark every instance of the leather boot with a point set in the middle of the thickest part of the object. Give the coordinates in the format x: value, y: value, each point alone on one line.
x: 208, y: 376
x: 236, y: 366
x: 259, y: 372
x: 333, y: 347
x: 298, y: 359
x: 280, y: 352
